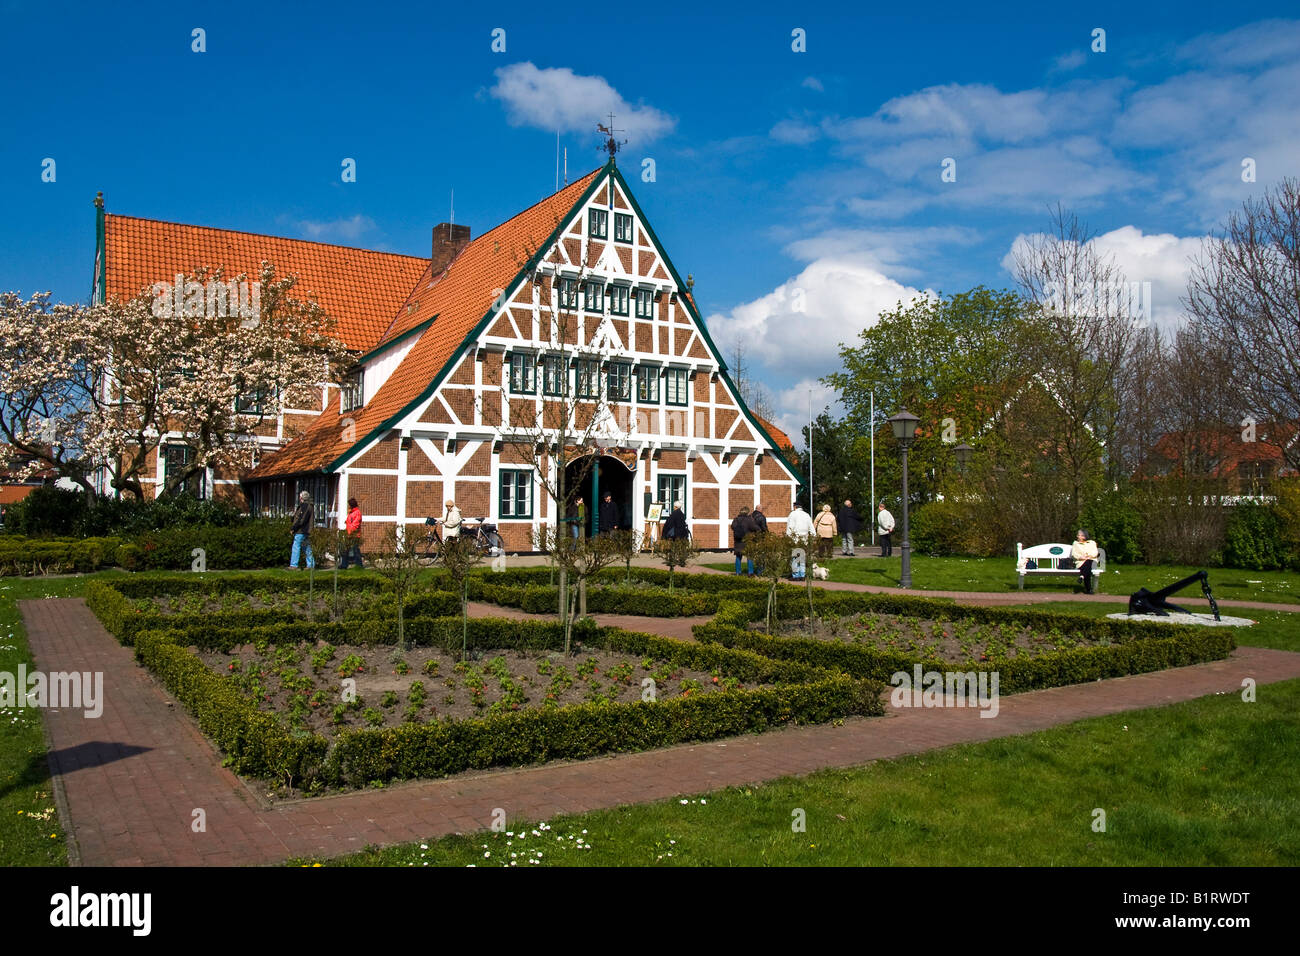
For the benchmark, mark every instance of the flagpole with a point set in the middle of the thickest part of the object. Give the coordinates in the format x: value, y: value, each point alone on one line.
x: 810, y: 453
x: 871, y: 510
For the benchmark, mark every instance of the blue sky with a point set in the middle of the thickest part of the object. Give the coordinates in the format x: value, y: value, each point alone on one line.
x: 781, y: 176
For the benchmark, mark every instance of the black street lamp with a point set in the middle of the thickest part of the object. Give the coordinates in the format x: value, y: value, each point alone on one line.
x: 962, y: 452
x: 904, y: 426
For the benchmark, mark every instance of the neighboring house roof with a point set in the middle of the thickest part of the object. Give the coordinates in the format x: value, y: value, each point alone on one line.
x: 360, y: 289
x: 779, y: 438
x: 11, y: 494
x: 460, y: 298
x: 1223, y: 452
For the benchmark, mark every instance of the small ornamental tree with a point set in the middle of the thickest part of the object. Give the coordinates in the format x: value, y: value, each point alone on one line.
x: 460, y: 555
x: 627, y: 545
x: 400, y: 564
x: 771, y: 554
x: 587, y: 557
x: 675, y: 553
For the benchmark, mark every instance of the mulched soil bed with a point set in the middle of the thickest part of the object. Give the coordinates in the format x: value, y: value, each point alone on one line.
x: 305, y: 683
x: 955, y: 641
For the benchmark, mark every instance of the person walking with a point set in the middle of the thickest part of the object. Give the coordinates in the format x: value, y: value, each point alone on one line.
x: 352, y: 542
x: 451, y: 521
x: 850, y: 524
x: 826, y: 527
x: 304, y: 516
x: 798, y: 526
x: 578, y: 517
x: 884, y: 527
x: 741, y: 527
x: 675, y: 527
x: 1084, y: 552
x: 608, y: 514
x: 760, y: 519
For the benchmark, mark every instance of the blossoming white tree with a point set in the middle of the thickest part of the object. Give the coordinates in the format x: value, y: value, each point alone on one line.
x: 84, y: 389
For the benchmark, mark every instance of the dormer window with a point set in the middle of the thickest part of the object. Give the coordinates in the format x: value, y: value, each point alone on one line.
x: 351, y: 395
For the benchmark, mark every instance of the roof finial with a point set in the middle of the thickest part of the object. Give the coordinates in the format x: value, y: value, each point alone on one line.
x: 611, y: 145
x: 99, y: 199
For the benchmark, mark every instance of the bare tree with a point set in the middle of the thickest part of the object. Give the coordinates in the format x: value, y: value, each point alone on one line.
x: 1243, y: 294
x: 1084, y: 306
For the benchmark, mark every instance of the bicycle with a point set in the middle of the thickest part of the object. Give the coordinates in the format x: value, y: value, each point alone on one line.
x: 484, y: 535
x: 429, y: 548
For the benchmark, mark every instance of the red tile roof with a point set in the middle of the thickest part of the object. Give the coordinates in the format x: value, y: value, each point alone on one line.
x: 460, y: 298
x: 781, y: 439
x: 360, y: 289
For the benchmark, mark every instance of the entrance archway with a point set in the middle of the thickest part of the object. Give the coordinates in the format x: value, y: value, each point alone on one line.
x: 607, y: 475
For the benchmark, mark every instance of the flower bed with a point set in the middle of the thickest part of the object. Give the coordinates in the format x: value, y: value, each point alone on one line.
x: 188, y: 651
x: 1028, y: 649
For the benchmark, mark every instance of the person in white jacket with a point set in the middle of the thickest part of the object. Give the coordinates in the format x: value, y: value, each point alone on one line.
x: 885, y: 527
x: 799, y: 527
x: 1085, y: 553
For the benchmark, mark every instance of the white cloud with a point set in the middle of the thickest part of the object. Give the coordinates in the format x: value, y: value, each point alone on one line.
x: 794, y: 131
x: 792, y: 406
x: 812, y: 83
x: 798, y: 327
x: 350, y: 229
x: 1069, y: 61
x: 1159, y: 259
x: 559, y: 99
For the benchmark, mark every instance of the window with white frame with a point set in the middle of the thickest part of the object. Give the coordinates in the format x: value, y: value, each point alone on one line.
x: 516, y: 493
x: 672, y: 489
x: 622, y: 227
x: 620, y: 381
x: 676, y: 384
x: 645, y: 303
x: 555, y: 378
x: 523, y: 373
x: 647, y: 384
x: 597, y: 223
x: 587, y: 378
x: 353, y: 391
x: 618, y: 299
x: 594, y: 297
x: 568, y: 293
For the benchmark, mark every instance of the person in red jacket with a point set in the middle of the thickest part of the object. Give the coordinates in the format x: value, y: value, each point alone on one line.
x: 352, y: 543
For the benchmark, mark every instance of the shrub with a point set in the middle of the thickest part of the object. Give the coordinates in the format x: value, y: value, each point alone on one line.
x: 1253, y: 538
x: 939, y: 528
x: 1116, y: 525
x: 20, y: 555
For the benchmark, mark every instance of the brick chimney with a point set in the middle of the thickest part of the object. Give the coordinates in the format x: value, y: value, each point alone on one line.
x: 448, y: 241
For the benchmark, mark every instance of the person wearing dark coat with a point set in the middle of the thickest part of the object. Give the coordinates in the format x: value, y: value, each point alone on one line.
x: 675, y: 527
x: 850, y: 523
x: 740, y: 529
x: 608, y: 515
x: 304, y: 516
x: 760, y: 519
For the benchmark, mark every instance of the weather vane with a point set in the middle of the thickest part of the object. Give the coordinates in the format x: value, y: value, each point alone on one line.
x: 611, y: 145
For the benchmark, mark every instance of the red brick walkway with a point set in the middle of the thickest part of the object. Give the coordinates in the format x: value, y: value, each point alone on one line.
x: 132, y: 779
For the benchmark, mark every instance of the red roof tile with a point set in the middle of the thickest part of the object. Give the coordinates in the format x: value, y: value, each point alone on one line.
x: 360, y: 289
x: 780, y: 438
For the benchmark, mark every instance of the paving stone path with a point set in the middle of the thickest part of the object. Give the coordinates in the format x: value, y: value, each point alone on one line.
x: 128, y: 782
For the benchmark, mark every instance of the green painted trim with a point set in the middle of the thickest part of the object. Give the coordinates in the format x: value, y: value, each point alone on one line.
x: 99, y: 271
x: 703, y: 329
x: 480, y: 327
x: 687, y: 388
x: 510, y: 373
x: 385, y: 346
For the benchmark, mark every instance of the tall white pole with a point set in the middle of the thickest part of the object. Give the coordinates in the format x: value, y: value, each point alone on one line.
x: 810, y: 453
x: 872, y: 509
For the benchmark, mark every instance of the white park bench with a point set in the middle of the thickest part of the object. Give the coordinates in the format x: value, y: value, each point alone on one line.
x: 1054, y: 559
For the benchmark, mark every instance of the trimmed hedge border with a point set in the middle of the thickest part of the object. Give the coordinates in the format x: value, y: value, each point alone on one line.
x: 25, y: 557
x: 1138, y: 647
x: 257, y: 743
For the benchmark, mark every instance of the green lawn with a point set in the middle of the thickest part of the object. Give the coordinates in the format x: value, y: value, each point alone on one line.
x: 999, y: 574
x: 30, y: 831
x: 1210, y: 782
